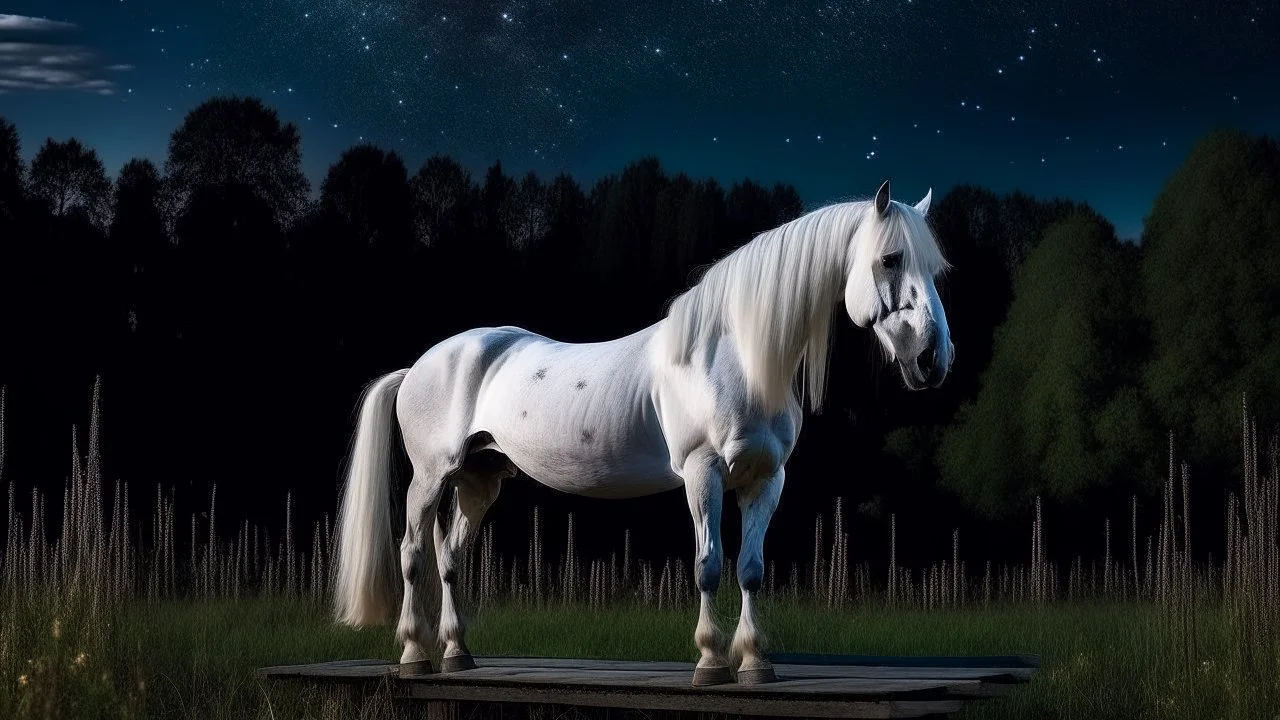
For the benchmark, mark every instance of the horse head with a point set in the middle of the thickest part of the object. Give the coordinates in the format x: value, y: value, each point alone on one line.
x: 893, y: 262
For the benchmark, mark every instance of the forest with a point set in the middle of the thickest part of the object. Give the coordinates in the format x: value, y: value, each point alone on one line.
x: 234, y: 314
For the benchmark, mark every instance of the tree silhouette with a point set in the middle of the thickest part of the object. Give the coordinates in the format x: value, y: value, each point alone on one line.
x: 1059, y: 413
x: 1211, y: 272
x: 526, y: 214
x: 624, y: 237
x: 557, y: 266
x: 367, y: 191
x: 70, y: 180
x: 10, y: 170
x: 234, y: 142
x: 140, y: 246
x: 442, y: 200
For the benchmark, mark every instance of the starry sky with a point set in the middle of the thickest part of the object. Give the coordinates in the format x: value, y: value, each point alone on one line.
x: 1094, y: 100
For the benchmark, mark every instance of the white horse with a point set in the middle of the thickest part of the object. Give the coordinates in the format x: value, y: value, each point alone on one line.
x: 705, y: 399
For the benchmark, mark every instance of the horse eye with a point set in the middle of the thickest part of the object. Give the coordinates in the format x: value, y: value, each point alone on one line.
x: 891, y: 261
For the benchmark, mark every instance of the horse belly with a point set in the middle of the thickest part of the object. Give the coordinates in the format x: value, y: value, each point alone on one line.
x: 584, y: 433
x: 579, y: 462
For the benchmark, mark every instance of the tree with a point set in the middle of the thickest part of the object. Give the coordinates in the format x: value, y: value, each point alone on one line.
x: 367, y: 191
x: 70, y: 180
x: 495, y: 194
x: 10, y: 170
x: 1060, y: 412
x: 627, y: 221
x: 1211, y: 274
x: 230, y: 142
x: 136, y: 222
x: 442, y: 193
x: 140, y: 244
x: 526, y: 214
x: 785, y: 204
x: 669, y: 243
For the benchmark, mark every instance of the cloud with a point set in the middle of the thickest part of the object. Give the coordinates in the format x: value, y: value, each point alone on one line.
x: 32, y: 24
x: 52, y: 65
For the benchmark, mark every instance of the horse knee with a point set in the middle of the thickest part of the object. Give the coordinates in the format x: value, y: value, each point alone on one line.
x: 750, y: 573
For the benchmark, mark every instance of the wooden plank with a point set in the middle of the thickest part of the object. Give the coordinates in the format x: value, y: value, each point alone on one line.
x: 679, y: 683
x: 831, y: 687
x: 334, y: 670
x: 585, y: 664
x: 986, y: 674
x: 934, y: 661
x: 644, y: 672
x: 813, y: 707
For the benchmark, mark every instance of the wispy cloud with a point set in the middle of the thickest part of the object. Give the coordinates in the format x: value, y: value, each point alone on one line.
x: 52, y: 65
x: 32, y: 24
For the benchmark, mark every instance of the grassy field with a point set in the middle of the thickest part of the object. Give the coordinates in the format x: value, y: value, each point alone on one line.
x: 107, y: 614
x: 175, y: 659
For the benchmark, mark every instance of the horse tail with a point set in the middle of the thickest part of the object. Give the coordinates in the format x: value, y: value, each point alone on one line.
x: 368, y: 573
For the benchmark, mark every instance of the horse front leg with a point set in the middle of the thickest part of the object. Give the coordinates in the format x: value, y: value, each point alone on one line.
x: 757, y: 503
x: 704, y: 487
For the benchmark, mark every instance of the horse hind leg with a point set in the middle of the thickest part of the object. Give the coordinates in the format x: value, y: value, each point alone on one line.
x: 418, y: 566
x: 478, y: 483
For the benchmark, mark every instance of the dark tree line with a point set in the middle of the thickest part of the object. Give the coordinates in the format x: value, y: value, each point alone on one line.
x: 235, y: 319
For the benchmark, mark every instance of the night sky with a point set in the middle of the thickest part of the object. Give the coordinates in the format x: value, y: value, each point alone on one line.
x: 1095, y: 101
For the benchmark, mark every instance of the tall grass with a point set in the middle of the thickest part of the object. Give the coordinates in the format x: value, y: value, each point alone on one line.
x: 64, y: 588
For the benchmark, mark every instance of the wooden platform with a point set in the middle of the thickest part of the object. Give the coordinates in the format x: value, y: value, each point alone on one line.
x: 816, y: 686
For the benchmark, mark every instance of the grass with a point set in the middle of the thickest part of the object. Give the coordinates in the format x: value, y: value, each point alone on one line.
x: 195, y: 659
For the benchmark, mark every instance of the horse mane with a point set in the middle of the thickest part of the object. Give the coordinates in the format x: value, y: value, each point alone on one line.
x: 776, y: 294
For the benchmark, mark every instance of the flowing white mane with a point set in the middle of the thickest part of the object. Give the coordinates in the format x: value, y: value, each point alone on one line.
x: 775, y: 295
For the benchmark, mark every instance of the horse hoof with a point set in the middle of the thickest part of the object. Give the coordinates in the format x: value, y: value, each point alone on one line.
x: 456, y: 663
x: 756, y: 672
x: 416, y: 668
x: 714, y: 675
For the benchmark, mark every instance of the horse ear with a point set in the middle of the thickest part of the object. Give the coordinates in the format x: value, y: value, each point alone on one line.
x: 882, y: 198
x: 923, y: 205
